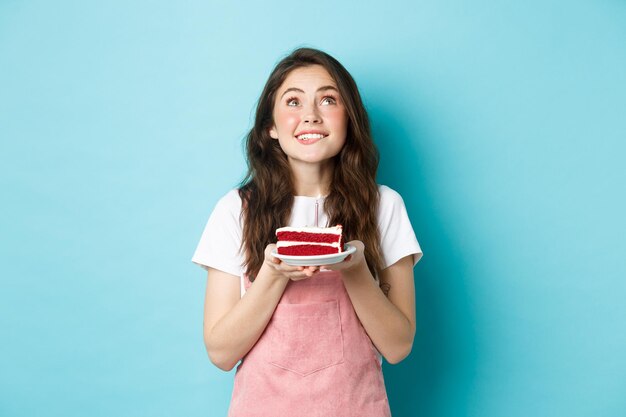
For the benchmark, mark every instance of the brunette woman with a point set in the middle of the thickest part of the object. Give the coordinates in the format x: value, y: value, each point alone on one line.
x: 309, y: 341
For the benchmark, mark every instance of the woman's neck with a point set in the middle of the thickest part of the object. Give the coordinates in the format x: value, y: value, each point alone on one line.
x: 312, y: 180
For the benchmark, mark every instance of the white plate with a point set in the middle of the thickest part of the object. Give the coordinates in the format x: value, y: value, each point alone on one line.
x: 331, y: 258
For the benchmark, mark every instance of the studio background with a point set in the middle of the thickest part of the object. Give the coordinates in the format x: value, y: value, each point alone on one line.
x: 502, y: 124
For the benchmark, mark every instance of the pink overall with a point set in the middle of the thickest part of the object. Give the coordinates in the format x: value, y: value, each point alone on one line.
x: 313, y: 360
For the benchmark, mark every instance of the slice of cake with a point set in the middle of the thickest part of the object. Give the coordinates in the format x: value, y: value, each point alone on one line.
x: 309, y: 241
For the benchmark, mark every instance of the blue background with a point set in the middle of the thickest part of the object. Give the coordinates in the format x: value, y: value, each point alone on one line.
x: 501, y: 123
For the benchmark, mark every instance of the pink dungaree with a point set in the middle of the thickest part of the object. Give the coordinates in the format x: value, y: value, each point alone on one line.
x: 314, y: 359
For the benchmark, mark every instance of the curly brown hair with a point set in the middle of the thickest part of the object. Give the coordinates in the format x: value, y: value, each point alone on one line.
x: 267, y: 191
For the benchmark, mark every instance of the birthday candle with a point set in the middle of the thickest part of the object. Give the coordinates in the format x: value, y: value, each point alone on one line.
x: 316, y: 207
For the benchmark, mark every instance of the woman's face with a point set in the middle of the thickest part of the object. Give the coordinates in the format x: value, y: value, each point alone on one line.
x: 310, y: 119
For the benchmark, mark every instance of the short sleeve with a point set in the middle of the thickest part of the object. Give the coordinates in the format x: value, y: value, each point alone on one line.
x: 397, y: 237
x: 220, y: 243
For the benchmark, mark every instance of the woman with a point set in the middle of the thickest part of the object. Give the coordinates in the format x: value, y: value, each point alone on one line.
x: 309, y: 339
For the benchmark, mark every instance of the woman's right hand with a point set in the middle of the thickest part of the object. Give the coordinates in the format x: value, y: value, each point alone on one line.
x: 232, y: 323
x: 280, y: 269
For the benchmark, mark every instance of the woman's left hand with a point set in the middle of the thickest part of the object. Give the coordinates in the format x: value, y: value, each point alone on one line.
x: 352, y: 261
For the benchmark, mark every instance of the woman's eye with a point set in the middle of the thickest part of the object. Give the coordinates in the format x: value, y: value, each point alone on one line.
x: 292, y: 102
x: 329, y: 100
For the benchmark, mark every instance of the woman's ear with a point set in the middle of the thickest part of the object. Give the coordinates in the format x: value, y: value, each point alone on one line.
x: 273, y: 133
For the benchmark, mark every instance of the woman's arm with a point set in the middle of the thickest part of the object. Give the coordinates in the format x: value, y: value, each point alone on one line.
x: 388, y: 320
x: 233, y: 324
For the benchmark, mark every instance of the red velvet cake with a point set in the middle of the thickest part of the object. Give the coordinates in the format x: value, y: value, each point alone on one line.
x: 309, y: 241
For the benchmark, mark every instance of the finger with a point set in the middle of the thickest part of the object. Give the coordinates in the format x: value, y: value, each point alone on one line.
x: 299, y: 277
x: 268, y: 252
x: 301, y: 273
x: 289, y: 268
x: 310, y: 272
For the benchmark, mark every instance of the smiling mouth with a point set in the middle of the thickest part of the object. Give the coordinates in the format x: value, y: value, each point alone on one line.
x: 310, y: 137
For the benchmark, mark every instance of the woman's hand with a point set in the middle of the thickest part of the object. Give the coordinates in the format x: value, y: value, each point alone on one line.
x: 353, y: 261
x: 387, y: 317
x: 281, y: 270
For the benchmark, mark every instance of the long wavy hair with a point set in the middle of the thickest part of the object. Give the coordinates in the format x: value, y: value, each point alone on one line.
x: 267, y: 191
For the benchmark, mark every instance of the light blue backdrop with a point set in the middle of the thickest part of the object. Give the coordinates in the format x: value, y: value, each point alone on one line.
x: 501, y: 123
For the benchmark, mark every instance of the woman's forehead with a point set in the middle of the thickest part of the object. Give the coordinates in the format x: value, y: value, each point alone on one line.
x: 310, y: 76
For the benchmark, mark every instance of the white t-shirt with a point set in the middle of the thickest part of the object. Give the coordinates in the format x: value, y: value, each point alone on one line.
x: 219, y: 246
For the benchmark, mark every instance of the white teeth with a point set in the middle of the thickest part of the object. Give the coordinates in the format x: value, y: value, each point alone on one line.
x: 308, y: 136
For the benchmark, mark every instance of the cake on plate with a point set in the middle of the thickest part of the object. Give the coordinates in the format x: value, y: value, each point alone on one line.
x: 309, y: 241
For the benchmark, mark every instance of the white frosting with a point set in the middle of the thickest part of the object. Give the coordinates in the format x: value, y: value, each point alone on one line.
x: 284, y: 244
x: 335, y: 230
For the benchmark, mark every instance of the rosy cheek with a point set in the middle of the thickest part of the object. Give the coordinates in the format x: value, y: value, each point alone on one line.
x: 285, y: 119
x: 336, y: 115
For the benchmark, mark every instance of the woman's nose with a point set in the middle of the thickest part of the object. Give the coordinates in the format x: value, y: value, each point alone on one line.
x: 311, y: 115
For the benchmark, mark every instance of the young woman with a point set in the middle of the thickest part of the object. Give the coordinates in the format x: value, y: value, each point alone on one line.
x: 309, y: 340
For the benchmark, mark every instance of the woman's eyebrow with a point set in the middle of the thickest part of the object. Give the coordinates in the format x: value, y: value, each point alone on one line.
x: 323, y: 88
x: 326, y: 87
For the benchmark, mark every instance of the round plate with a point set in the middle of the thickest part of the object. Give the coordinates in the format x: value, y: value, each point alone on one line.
x: 319, y: 260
